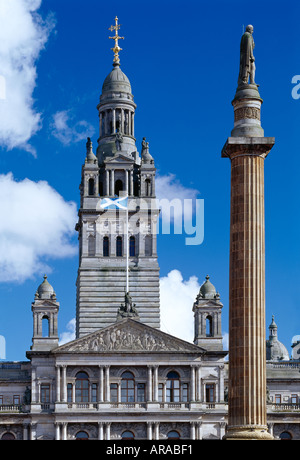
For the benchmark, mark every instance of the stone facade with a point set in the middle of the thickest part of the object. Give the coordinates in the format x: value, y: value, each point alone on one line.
x: 123, y: 378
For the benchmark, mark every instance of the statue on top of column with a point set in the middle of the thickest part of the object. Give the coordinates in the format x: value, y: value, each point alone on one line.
x: 247, y: 60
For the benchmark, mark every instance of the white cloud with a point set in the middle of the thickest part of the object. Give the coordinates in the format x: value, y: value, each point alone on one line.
x: 169, y: 188
x: 36, y: 225
x: 23, y: 34
x: 67, y: 131
x: 176, y: 298
x: 69, y: 334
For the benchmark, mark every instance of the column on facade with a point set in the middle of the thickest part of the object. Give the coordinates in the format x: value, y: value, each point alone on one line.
x: 107, y: 384
x: 33, y: 386
x: 107, y: 431
x: 100, y: 431
x: 112, y: 182
x: 131, y: 183
x: 122, y: 120
x: 114, y: 120
x: 57, y: 431
x: 126, y: 181
x: 199, y: 430
x: 100, y: 124
x: 221, y: 380
x: 64, y: 383
x: 132, y: 124
x: 192, y: 392
x: 149, y: 431
x: 101, y: 385
x: 193, y: 431
x: 25, y: 432
x: 129, y: 123
x: 107, y: 182
x: 149, y: 383
x: 58, y: 383
x: 155, y: 383
x: 64, y: 431
x: 198, y: 377
x: 156, y: 430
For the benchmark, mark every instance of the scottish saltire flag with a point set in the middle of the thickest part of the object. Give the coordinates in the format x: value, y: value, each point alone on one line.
x: 114, y: 203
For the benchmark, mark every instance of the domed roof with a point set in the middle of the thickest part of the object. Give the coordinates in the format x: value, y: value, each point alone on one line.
x: 208, y: 290
x: 116, y: 80
x: 45, y: 290
x: 275, y: 350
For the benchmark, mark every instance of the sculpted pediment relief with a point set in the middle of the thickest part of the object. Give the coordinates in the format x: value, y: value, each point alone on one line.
x: 120, y: 159
x: 128, y: 335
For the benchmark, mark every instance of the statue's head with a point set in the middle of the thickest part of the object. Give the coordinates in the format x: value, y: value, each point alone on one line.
x: 249, y: 29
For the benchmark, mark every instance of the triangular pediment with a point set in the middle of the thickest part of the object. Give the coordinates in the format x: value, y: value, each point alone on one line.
x: 130, y: 336
x: 120, y: 158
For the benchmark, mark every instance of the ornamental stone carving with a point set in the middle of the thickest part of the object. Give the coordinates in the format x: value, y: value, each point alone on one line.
x: 128, y: 336
x: 247, y: 112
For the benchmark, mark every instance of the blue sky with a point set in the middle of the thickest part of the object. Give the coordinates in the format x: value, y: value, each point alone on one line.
x: 182, y: 61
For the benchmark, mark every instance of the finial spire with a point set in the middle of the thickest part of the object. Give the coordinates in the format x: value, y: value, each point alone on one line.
x: 116, y: 38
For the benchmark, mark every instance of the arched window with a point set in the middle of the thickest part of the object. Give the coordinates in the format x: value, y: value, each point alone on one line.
x: 148, y: 187
x: 82, y: 387
x: 118, y: 186
x: 285, y: 436
x: 81, y: 436
x: 127, y: 387
x: 173, y: 435
x: 91, y: 187
x: 45, y: 326
x: 209, y: 328
x: 8, y: 437
x: 119, y: 248
x: 132, y: 246
x: 148, y: 245
x: 128, y: 435
x: 106, y: 246
x: 91, y: 246
x: 173, y: 387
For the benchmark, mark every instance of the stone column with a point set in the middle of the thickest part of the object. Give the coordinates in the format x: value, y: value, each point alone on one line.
x: 149, y: 383
x: 192, y: 384
x: 155, y: 383
x: 57, y: 431
x: 100, y: 385
x: 149, y: 430
x: 247, y: 150
x: 58, y: 383
x: 100, y: 431
x: 64, y: 383
x: 107, y: 384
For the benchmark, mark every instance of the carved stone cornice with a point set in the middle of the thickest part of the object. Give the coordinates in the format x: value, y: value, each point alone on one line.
x: 247, y: 146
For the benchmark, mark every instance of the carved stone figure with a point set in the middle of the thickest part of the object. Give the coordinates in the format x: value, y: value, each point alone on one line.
x: 119, y: 140
x: 247, y: 60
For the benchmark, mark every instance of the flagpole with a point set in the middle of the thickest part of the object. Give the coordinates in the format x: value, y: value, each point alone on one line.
x: 127, y: 250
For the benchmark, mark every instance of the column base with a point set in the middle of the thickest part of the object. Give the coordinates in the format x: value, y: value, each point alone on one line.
x: 248, y: 433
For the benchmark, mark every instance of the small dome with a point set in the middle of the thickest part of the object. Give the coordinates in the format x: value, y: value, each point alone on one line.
x: 208, y: 290
x: 116, y: 81
x: 45, y: 290
x: 275, y: 350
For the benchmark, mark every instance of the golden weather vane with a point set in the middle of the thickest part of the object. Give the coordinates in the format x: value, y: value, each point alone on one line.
x: 116, y: 38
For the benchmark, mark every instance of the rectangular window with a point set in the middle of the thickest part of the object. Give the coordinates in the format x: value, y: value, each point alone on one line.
x: 45, y: 393
x: 1, y: 399
x: 294, y: 399
x: 185, y: 392
x: 277, y: 399
x: 16, y: 400
x: 141, y: 392
x: 160, y: 392
x: 114, y: 392
x: 210, y: 392
x: 94, y: 392
x: 69, y: 392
